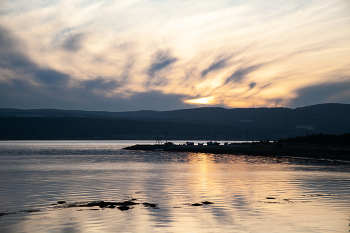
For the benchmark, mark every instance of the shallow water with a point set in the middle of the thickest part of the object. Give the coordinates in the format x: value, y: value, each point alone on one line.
x: 249, y: 193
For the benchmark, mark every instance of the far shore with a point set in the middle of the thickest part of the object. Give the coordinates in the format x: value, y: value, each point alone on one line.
x: 328, y: 152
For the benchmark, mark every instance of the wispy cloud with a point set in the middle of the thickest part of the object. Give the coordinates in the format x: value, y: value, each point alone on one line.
x: 160, y: 61
x: 217, y: 65
x: 240, y: 74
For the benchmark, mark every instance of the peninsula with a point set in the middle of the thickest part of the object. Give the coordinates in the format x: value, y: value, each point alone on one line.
x: 330, y: 147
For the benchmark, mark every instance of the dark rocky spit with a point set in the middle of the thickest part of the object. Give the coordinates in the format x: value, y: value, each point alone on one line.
x: 270, y: 149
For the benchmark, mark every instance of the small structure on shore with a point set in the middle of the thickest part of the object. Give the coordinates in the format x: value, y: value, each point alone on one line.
x: 213, y: 143
x: 168, y: 144
x: 159, y: 141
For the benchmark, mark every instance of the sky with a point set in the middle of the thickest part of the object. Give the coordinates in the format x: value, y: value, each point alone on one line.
x: 131, y: 55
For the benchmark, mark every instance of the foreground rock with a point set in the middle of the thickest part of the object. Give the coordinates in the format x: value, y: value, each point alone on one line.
x: 122, y: 206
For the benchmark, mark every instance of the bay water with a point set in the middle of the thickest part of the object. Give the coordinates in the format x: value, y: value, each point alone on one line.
x: 190, y: 192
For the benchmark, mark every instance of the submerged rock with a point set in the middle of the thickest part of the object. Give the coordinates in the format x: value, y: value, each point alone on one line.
x: 20, y: 212
x: 102, y: 204
x: 196, y: 204
x: 123, y: 207
x: 207, y: 202
x: 201, y: 203
x: 151, y: 205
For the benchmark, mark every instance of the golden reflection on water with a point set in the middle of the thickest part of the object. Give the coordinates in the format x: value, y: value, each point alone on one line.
x: 204, y: 181
x: 270, y: 193
x: 236, y: 176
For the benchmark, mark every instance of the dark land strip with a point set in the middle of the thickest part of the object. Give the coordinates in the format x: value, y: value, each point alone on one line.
x: 306, y: 151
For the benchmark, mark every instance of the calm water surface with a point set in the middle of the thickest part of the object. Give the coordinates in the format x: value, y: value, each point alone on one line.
x: 249, y: 193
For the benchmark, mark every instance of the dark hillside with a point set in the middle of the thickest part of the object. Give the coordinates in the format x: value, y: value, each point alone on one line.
x: 243, y: 123
x: 58, y: 128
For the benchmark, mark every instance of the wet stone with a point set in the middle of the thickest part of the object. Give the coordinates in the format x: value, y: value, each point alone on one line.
x: 207, y: 202
x: 130, y: 203
x: 196, y: 204
x: 151, y: 205
x: 29, y: 211
x: 123, y: 207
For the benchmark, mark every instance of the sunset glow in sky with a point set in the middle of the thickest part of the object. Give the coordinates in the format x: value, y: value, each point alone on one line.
x: 163, y: 55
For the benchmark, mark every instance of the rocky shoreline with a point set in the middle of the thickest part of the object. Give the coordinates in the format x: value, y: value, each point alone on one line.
x: 305, y: 151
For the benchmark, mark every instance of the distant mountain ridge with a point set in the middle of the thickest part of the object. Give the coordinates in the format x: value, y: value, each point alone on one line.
x: 275, y: 123
x: 213, y: 114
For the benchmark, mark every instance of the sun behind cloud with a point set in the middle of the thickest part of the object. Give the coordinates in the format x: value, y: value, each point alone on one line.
x: 204, y: 100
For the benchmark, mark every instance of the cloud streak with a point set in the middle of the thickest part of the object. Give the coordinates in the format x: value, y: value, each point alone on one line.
x: 214, y: 66
x: 240, y: 74
x: 161, y: 61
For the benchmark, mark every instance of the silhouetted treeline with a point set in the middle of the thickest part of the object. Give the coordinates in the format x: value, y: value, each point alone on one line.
x: 343, y: 139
